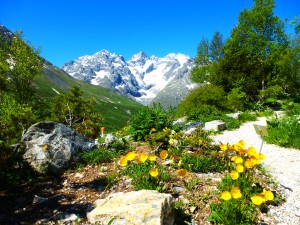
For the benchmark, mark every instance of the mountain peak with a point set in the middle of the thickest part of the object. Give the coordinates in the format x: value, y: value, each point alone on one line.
x: 139, y: 56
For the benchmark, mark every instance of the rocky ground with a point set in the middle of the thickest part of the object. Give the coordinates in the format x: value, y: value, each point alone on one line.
x: 67, y: 199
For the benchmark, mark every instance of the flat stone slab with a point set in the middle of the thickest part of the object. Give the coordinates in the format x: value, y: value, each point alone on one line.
x: 147, y: 207
x: 216, y: 125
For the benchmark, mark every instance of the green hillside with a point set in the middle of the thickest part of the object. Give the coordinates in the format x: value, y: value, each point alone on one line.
x: 115, y: 109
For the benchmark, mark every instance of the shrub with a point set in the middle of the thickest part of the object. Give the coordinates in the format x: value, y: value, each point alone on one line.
x: 236, y: 100
x: 205, y: 100
x: 149, y: 119
x: 98, y: 156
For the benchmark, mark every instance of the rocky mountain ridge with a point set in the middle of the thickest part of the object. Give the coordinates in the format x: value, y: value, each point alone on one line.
x: 142, y: 78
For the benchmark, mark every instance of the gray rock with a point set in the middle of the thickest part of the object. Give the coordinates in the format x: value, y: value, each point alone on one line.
x: 146, y: 207
x: 52, y: 147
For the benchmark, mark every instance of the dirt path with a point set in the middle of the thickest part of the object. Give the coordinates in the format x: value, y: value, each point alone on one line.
x: 282, y: 163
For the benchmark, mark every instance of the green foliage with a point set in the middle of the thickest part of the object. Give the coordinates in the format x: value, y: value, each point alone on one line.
x: 285, y: 131
x: 24, y: 64
x: 139, y: 172
x: 160, y: 138
x: 72, y: 109
x: 202, y: 162
x: 98, y: 156
x: 208, y: 55
x: 205, y: 100
x: 236, y: 100
x: 149, y: 119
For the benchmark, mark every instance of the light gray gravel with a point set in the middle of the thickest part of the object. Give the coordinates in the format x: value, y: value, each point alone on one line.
x: 282, y: 163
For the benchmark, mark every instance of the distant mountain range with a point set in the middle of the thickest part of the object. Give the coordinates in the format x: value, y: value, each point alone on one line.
x: 143, y: 78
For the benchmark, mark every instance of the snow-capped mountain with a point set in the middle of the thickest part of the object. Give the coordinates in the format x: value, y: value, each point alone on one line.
x: 141, y: 78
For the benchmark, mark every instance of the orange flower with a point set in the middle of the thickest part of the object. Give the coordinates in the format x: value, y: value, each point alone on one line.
x: 152, y: 129
x: 102, y: 129
x: 249, y: 164
x: 181, y: 172
x: 153, y: 172
x: 163, y: 154
x: 142, y: 158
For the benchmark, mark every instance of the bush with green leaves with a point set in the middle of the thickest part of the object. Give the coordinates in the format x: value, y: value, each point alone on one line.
x: 205, y: 100
x: 149, y: 119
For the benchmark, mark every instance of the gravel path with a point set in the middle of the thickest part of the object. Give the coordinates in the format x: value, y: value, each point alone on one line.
x: 282, y: 163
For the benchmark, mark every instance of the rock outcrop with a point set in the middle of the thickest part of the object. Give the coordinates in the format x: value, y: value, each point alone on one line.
x: 145, y: 207
x: 52, y: 147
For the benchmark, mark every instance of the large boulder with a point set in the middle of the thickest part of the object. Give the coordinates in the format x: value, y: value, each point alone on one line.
x: 146, y: 207
x: 53, y: 147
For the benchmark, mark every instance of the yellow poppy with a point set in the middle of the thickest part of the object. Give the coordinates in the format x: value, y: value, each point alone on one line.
x: 142, y: 157
x: 234, y: 175
x: 267, y: 195
x: 153, y: 172
x: 45, y: 147
x: 257, y: 200
x: 249, y: 164
x: 123, y: 161
x: 181, y: 172
x: 223, y: 147
x: 262, y: 156
x: 130, y: 156
x: 225, y: 195
x: 163, y: 154
x: 236, y: 193
x: 239, y: 168
x: 152, y: 158
x: 238, y: 160
x: 102, y: 129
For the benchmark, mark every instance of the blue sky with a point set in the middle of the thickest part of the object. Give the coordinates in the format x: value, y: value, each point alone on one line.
x: 66, y: 29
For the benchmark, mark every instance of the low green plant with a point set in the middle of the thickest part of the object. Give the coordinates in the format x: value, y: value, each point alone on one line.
x: 98, y: 156
x: 285, y: 131
x: 144, y: 171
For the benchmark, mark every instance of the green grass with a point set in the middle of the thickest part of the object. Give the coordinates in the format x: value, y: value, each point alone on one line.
x: 115, y: 109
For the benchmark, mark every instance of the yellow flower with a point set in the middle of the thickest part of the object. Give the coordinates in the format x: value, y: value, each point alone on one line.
x: 262, y: 156
x: 225, y: 195
x: 153, y: 172
x: 181, y: 172
x: 123, y: 161
x: 130, y: 156
x: 239, y: 146
x: 238, y: 160
x: 152, y: 158
x: 239, y: 168
x: 249, y: 164
x: 233, y: 158
x: 223, y: 147
x: 234, y: 174
x: 142, y: 158
x: 45, y: 147
x: 236, y: 193
x: 257, y: 200
x: 102, y: 129
x: 267, y: 195
x: 163, y: 154
x: 253, y: 152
